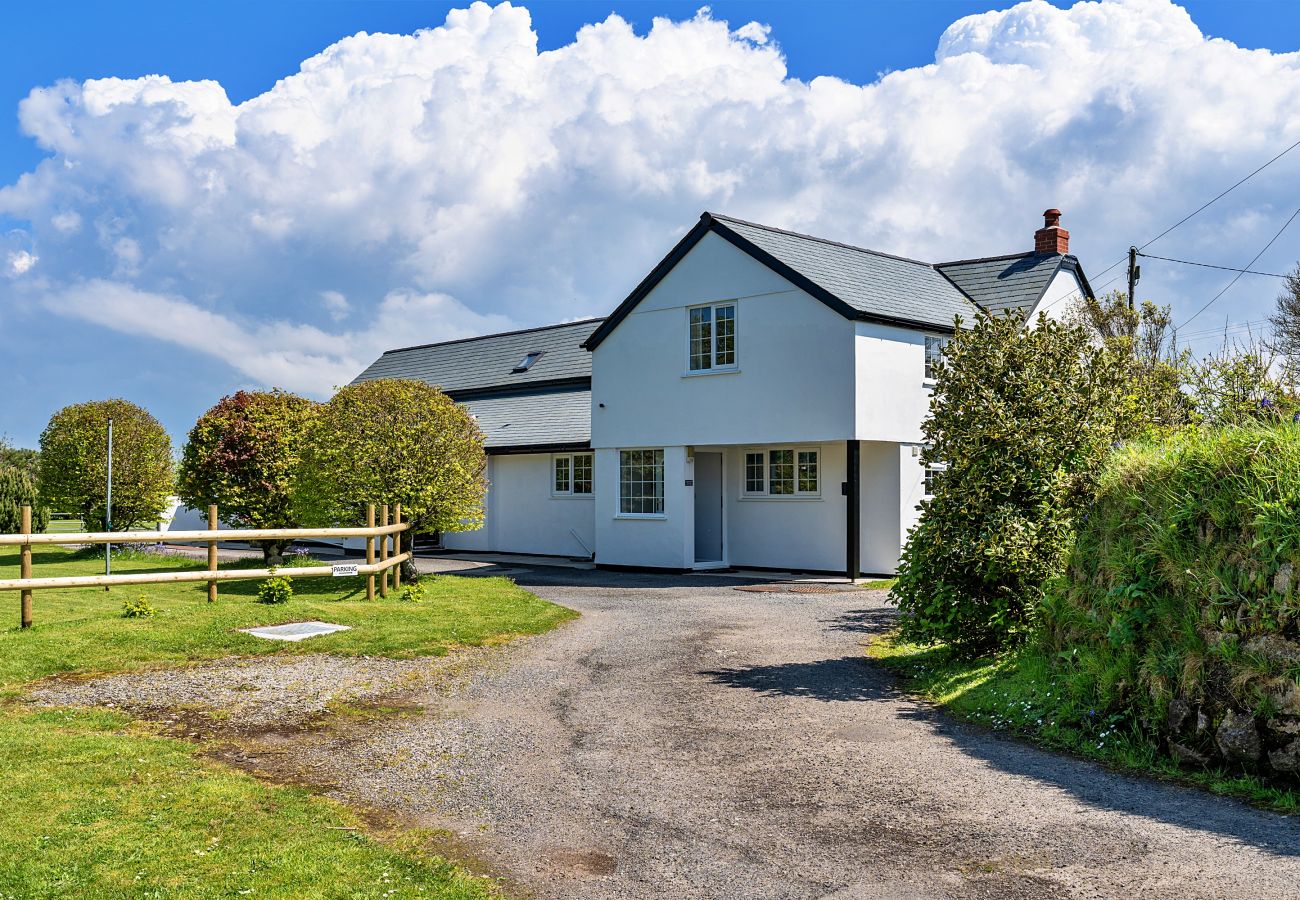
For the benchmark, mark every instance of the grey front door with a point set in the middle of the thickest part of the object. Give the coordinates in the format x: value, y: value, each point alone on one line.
x: 708, y: 507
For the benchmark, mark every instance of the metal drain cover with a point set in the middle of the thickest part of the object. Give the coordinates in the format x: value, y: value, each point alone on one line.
x: 294, y: 631
x: 788, y: 588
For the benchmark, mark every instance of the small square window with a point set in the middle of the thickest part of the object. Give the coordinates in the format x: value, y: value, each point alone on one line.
x: 711, y: 342
x: 572, y: 474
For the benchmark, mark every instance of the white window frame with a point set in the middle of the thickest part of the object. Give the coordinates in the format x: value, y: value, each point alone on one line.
x: 927, y: 373
x: 926, y: 469
x: 663, y: 480
x: 570, y: 461
x: 714, y: 366
x: 766, y: 453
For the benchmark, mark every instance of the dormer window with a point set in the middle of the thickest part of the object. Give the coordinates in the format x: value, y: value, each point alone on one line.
x: 527, y: 362
x: 711, y: 341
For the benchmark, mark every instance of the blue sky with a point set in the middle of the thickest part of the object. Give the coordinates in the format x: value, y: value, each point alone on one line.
x: 140, y: 279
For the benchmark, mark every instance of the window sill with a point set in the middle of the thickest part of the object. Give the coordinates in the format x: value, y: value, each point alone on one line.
x: 642, y: 517
x: 730, y: 370
x: 572, y: 496
x: 928, y: 383
x: 779, y: 498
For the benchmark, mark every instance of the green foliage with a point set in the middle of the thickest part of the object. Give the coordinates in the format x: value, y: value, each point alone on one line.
x: 412, y: 593
x: 74, y: 464
x: 275, y: 590
x: 1285, y: 322
x: 242, y: 454
x: 393, y: 441
x: 1022, y: 416
x: 138, y: 608
x: 1240, y: 386
x: 18, y: 489
x: 20, y: 458
x: 1190, y: 551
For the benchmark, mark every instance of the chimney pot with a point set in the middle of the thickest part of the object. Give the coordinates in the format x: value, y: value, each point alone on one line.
x: 1051, y: 238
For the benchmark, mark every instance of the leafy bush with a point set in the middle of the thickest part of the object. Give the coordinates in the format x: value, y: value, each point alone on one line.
x: 74, y: 464
x: 139, y: 608
x: 1181, y: 605
x: 275, y: 590
x: 1022, y: 418
x: 412, y: 593
x: 241, y: 455
x: 18, y: 489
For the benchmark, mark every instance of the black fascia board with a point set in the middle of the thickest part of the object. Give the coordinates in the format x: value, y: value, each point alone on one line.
x: 563, y: 447
x: 550, y: 386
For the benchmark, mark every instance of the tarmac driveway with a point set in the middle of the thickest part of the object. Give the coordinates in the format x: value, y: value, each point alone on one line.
x: 685, y: 739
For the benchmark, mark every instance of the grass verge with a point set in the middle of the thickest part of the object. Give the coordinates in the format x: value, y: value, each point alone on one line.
x: 99, y: 806
x: 1019, y: 692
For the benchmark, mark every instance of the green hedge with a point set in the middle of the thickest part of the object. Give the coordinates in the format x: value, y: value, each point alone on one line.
x: 1180, y: 602
x: 18, y: 489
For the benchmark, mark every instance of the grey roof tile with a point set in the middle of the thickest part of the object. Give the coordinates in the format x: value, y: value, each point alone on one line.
x: 528, y: 420
x: 1003, y: 283
x: 486, y: 362
x: 874, y: 283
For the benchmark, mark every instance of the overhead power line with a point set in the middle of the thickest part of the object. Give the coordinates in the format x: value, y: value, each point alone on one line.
x: 1204, y: 206
x: 1241, y: 272
x: 1188, y: 262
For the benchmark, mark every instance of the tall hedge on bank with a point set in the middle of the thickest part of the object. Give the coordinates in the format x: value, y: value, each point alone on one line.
x: 1180, y: 604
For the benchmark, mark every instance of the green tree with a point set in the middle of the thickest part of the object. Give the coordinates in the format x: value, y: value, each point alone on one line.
x: 1143, y: 344
x: 20, y: 458
x: 1021, y: 417
x: 241, y: 455
x: 74, y: 463
x: 1240, y: 385
x: 393, y: 441
x: 18, y: 489
x: 1285, y: 322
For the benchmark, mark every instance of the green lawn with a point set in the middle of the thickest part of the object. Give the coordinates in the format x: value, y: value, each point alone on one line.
x: 98, y: 806
x: 1019, y: 692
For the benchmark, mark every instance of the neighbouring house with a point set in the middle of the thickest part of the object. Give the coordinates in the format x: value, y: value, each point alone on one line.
x: 755, y: 402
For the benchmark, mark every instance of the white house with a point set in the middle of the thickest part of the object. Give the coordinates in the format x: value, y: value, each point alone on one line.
x: 755, y: 402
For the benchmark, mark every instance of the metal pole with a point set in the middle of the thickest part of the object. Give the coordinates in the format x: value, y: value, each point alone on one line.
x: 108, y: 513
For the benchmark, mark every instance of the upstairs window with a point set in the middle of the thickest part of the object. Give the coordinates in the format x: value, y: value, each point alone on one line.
x: 932, y: 474
x: 711, y: 341
x: 783, y: 472
x: 572, y: 473
x: 933, y: 355
x: 528, y: 361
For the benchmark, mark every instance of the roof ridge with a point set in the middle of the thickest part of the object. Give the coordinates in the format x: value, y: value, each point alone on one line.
x: 809, y: 237
x: 980, y: 259
x: 499, y: 334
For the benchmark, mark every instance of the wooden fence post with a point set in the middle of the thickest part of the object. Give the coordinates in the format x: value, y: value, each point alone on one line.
x: 397, y: 545
x: 370, y: 551
x: 212, y: 553
x: 383, y: 553
x: 25, y: 569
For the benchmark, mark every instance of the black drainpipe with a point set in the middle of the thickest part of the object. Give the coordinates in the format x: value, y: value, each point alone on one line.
x: 853, y: 511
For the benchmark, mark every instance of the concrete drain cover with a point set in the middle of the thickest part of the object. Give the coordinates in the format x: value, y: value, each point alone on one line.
x: 295, y: 631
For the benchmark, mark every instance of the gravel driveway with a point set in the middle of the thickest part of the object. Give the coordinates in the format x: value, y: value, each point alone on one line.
x: 684, y: 739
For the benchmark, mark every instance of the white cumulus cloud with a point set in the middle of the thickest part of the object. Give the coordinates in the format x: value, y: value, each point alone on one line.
x: 459, y: 179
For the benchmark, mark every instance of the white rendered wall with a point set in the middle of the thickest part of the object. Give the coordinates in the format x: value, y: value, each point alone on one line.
x: 1061, y: 297
x: 523, y: 516
x: 787, y: 532
x: 667, y: 542
x: 795, y: 373
x: 892, y: 394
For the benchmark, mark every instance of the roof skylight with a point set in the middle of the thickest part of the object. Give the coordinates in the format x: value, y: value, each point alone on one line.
x: 528, y: 361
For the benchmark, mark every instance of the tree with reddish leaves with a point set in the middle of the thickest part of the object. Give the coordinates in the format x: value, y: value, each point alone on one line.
x: 241, y: 455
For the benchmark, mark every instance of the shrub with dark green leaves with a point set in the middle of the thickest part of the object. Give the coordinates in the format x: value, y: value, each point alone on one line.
x: 275, y: 590
x: 18, y: 489
x: 1022, y: 417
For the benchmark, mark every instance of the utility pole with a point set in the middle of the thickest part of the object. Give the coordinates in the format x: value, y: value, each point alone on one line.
x: 108, y: 514
x: 1134, y: 273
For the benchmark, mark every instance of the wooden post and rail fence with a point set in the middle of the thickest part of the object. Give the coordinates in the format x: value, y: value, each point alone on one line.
x: 385, y: 532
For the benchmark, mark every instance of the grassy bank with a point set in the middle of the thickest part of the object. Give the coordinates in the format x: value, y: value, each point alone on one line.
x: 1022, y: 694
x: 98, y: 806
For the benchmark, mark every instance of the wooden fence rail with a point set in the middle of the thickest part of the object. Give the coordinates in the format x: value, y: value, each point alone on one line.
x: 386, y: 533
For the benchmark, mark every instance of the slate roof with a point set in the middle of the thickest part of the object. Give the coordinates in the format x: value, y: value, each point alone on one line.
x: 547, y: 406
x: 550, y: 419
x: 1000, y: 283
x: 876, y: 284
x: 486, y: 362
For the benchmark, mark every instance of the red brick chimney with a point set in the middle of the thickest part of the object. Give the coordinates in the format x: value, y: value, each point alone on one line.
x: 1052, y: 238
